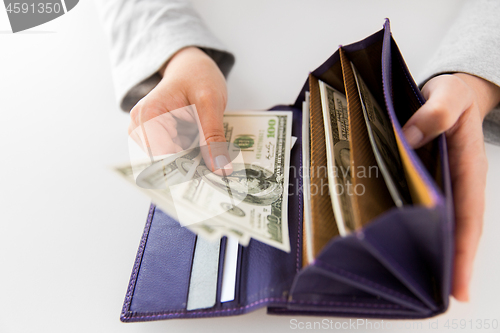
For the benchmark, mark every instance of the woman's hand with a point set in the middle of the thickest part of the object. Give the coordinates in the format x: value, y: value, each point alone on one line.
x: 190, y: 77
x: 456, y: 105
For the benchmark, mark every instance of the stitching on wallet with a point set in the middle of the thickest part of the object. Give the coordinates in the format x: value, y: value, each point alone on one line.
x: 409, y: 81
x: 386, y: 315
x: 400, y: 60
x: 166, y: 314
x: 240, y: 308
x: 300, y: 194
x: 390, y: 77
x: 368, y: 282
x: 138, y: 260
x: 368, y: 305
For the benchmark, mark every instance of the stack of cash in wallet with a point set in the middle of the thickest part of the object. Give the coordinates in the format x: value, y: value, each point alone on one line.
x: 338, y: 155
x: 249, y: 201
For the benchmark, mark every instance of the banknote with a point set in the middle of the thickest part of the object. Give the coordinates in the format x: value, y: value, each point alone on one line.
x: 253, y: 198
x: 383, y: 142
x: 249, y: 202
x: 209, y: 229
x: 336, y: 121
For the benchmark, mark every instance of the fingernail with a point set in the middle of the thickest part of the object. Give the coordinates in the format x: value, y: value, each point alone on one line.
x: 413, y: 135
x: 467, y: 298
x: 462, y: 295
x: 221, y: 162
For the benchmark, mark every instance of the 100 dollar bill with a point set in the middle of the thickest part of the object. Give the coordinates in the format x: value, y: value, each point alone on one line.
x: 336, y: 122
x: 250, y: 202
x: 383, y: 142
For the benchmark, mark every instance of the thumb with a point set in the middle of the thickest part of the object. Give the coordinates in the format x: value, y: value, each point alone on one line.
x: 214, y: 147
x: 447, y: 99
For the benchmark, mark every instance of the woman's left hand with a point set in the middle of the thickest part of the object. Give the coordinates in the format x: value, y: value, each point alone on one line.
x: 456, y: 105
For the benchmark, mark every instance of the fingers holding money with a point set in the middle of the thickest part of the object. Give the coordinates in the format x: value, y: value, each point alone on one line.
x: 213, y: 205
x: 448, y: 99
x: 171, y: 132
x: 166, y: 121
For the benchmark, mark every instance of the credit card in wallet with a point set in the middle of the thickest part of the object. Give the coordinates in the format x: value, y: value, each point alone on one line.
x: 202, y: 292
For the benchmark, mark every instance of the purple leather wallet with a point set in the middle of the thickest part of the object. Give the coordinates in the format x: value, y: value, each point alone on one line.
x: 397, y: 266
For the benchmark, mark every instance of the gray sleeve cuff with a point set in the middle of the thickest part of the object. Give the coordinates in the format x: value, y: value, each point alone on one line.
x: 142, y: 83
x: 144, y: 35
x: 472, y: 45
x: 491, y: 127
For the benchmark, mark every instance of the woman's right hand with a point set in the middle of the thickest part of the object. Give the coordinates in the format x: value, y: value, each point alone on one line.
x: 189, y: 77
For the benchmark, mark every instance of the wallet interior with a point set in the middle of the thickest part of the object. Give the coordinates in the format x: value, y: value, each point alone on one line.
x: 397, y: 266
x: 421, y: 284
x: 376, y: 198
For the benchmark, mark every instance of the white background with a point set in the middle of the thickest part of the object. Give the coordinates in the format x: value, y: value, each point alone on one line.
x: 70, y: 228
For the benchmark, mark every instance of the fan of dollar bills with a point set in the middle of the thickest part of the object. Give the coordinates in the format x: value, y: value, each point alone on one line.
x: 247, y: 201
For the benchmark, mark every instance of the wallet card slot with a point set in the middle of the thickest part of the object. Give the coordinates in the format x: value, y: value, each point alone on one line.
x: 368, y: 64
x: 403, y: 98
x: 348, y: 262
x: 323, y: 223
x: 326, y: 293
x: 202, y: 292
x: 406, y: 100
x: 320, y: 287
x: 237, y: 292
x: 163, y: 279
x: 223, y: 242
x: 237, y: 288
x: 373, y: 198
x: 387, y: 287
x: 411, y: 251
x: 332, y: 75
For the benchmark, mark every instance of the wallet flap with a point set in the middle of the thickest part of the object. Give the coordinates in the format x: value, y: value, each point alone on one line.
x: 434, y: 173
x: 414, y: 268
x: 160, y: 277
x: 324, y: 290
x: 407, y: 243
x: 323, y: 223
x: 423, y: 188
x: 348, y: 261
